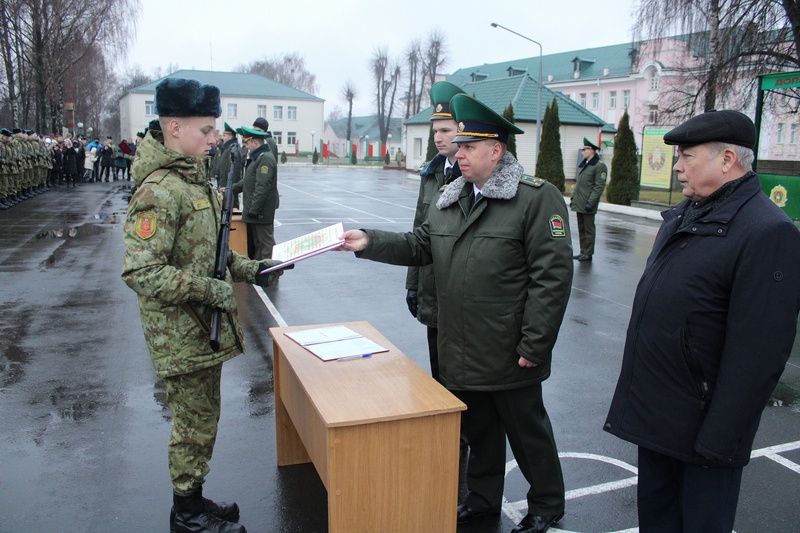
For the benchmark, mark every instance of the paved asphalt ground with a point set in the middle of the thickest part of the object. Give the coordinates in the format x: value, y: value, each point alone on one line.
x: 84, y: 427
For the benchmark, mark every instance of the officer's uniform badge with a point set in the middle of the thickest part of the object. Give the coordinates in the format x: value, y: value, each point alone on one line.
x: 557, y: 226
x: 146, y: 225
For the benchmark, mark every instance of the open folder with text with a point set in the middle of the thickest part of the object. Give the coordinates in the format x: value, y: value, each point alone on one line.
x: 306, y: 246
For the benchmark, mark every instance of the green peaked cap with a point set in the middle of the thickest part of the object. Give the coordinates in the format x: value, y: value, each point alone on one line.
x: 441, y: 94
x: 477, y: 122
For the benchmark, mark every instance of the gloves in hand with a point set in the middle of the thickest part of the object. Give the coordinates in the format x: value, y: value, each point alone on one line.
x: 219, y: 294
x: 589, y: 208
x: 265, y: 280
x: 411, y: 301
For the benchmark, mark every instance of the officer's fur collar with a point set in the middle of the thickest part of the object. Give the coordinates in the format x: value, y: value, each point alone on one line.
x: 502, y: 185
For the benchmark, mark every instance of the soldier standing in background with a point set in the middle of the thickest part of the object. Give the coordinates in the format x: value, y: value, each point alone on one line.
x: 586, y: 197
x: 442, y: 169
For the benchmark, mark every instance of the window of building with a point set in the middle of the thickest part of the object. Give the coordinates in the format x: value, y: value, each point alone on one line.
x: 654, y: 82
x: 793, y: 134
x: 277, y: 112
x: 232, y: 110
x: 595, y: 100
x: 779, y: 139
x: 291, y: 137
x: 418, y: 147
x: 261, y: 110
x: 612, y: 99
x: 278, y: 136
x: 582, y: 99
x: 626, y: 99
x: 149, y: 108
x: 291, y: 112
x: 652, y: 115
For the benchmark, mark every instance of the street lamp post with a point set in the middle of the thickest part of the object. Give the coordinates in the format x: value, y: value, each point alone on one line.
x: 313, y: 146
x: 539, y: 99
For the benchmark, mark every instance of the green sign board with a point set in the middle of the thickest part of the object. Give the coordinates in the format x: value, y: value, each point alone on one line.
x: 781, y: 80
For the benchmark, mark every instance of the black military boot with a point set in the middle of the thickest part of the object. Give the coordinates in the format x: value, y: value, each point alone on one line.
x: 193, y: 514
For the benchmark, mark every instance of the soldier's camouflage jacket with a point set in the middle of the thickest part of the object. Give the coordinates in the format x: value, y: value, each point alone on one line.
x: 171, y: 236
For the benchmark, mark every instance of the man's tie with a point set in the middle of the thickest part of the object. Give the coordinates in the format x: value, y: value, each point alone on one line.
x: 448, y: 171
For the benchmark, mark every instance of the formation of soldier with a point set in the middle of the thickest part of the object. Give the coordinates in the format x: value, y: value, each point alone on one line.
x: 24, y: 166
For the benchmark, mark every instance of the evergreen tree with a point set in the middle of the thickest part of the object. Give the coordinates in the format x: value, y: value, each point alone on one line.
x: 550, y: 162
x: 511, y: 145
x: 624, y: 184
x: 432, y: 151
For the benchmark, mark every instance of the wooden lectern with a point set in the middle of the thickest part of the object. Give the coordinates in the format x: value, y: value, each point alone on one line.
x: 382, y: 434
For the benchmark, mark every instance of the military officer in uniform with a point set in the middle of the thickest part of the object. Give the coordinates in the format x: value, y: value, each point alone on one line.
x: 260, y: 188
x: 442, y: 169
x: 589, y: 187
x: 263, y: 124
x: 502, y: 258
x: 171, y: 239
x: 227, y: 156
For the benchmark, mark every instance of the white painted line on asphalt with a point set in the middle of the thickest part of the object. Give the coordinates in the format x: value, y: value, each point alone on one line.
x: 791, y: 465
x: 270, y: 307
x: 778, y: 448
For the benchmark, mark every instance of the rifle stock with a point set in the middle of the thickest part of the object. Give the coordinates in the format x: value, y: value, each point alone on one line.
x: 221, y: 262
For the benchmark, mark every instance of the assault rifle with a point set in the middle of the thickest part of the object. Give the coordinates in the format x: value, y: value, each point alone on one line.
x: 221, y: 262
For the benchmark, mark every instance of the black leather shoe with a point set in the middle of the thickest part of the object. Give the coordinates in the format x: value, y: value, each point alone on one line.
x: 533, y: 523
x: 468, y: 514
x: 584, y: 257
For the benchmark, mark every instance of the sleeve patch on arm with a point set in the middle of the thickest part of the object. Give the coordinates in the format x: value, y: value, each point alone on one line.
x: 146, y: 225
x: 557, y: 226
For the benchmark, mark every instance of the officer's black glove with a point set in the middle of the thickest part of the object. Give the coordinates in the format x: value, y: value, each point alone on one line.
x: 411, y: 301
x: 589, y: 208
x: 269, y: 278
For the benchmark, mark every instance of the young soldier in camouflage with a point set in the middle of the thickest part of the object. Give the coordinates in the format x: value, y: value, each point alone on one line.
x: 170, y: 236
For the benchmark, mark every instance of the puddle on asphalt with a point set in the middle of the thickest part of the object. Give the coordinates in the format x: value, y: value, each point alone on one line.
x: 94, y: 226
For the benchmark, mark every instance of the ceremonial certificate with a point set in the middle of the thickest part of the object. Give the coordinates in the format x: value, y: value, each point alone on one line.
x: 306, y: 246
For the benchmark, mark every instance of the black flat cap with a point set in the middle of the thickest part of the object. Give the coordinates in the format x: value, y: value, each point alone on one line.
x: 261, y: 123
x: 185, y: 97
x: 724, y: 126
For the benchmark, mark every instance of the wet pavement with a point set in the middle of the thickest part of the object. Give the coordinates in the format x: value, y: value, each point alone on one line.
x: 84, y: 428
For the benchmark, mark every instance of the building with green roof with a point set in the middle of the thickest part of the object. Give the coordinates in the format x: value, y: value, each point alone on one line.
x: 522, y: 92
x: 294, y: 116
x: 364, y: 134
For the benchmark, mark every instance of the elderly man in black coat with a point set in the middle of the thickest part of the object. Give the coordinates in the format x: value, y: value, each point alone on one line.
x: 712, y: 326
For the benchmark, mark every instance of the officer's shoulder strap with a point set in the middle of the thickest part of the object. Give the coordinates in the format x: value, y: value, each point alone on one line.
x: 533, y: 182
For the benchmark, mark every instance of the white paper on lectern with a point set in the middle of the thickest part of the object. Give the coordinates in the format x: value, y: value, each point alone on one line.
x: 334, y: 342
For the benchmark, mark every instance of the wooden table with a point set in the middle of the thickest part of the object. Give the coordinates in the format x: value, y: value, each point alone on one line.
x: 382, y: 434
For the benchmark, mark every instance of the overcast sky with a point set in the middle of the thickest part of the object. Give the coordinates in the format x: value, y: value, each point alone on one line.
x: 337, y: 38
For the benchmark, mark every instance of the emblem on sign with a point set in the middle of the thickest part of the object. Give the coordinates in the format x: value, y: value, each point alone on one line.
x: 778, y: 195
x: 146, y: 225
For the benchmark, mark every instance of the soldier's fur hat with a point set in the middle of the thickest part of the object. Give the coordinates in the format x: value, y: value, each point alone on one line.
x: 184, y: 97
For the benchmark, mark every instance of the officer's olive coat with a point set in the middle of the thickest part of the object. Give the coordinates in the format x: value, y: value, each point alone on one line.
x: 503, y: 274
x: 260, y: 187
x: 420, y: 279
x: 589, y: 186
x: 170, y: 236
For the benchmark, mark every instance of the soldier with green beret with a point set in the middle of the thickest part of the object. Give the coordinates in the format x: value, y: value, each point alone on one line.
x: 442, y: 169
x: 171, y: 240
x: 260, y: 187
x: 501, y: 253
x: 591, y: 181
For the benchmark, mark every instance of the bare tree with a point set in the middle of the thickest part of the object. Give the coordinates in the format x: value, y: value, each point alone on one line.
x: 386, y: 74
x: 349, y: 93
x: 433, y: 59
x: 730, y: 42
x: 413, y: 59
x: 42, y: 40
x: 334, y: 114
x: 288, y: 69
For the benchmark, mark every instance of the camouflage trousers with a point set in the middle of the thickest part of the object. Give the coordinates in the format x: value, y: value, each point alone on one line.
x: 194, y: 400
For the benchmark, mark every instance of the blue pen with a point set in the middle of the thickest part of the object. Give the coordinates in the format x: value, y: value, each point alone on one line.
x: 350, y: 357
